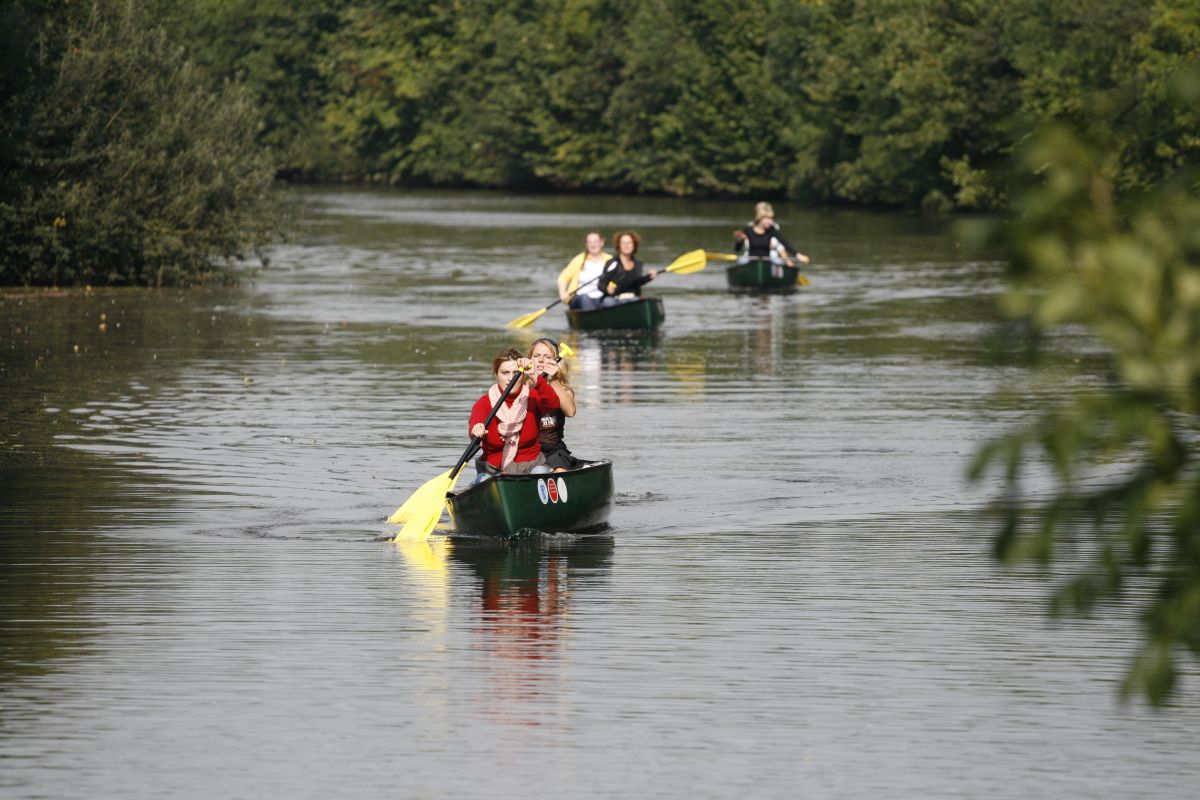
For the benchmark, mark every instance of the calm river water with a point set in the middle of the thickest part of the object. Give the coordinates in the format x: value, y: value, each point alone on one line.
x: 795, y: 597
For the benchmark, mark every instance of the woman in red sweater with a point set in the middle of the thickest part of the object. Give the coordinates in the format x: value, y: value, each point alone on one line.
x: 510, y: 443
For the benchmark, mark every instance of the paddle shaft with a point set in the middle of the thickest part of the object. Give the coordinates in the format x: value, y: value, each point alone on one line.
x: 477, y: 441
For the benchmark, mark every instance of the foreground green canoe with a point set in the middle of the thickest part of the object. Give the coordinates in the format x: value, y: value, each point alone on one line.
x: 642, y: 314
x: 570, y: 502
x: 763, y: 276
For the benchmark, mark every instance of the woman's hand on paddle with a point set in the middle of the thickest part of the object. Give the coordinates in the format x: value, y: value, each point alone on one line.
x: 549, y: 370
x: 526, y: 366
x: 477, y: 430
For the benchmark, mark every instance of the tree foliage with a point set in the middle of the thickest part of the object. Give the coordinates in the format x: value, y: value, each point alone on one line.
x: 893, y: 103
x: 1124, y: 265
x: 127, y: 166
x: 901, y: 103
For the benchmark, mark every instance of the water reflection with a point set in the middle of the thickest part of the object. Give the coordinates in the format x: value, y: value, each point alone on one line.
x: 524, y: 595
x: 428, y: 569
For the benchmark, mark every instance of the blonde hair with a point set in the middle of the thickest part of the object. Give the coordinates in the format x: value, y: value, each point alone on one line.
x: 763, y: 209
x: 553, y: 345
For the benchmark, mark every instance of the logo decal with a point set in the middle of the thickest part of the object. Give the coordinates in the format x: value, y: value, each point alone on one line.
x: 553, y: 487
x: 562, y: 490
x: 543, y: 495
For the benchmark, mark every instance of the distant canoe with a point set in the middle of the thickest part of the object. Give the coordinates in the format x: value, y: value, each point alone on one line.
x: 570, y: 502
x: 641, y: 314
x: 763, y: 276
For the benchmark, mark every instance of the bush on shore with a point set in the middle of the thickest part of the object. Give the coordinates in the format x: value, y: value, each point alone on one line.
x: 126, y: 165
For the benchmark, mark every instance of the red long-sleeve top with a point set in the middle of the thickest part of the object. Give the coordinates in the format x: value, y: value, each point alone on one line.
x: 542, y: 399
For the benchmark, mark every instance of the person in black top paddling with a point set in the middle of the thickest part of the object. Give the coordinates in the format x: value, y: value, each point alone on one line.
x: 762, y: 240
x: 624, y: 274
x: 544, y: 353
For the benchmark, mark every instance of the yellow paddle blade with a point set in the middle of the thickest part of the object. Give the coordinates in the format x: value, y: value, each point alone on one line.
x: 420, y: 498
x: 803, y: 281
x: 423, y: 517
x: 564, y: 350
x: 527, y: 320
x: 688, y: 263
x: 720, y: 256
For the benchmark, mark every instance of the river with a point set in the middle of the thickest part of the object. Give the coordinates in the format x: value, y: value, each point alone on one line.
x: 795, y: 596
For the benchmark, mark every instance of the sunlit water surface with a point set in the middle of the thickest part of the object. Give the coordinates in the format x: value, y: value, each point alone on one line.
x: 795, y: 595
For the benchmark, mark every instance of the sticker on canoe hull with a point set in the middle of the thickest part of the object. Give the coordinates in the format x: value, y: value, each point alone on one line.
x: 562, y: 490
x: 543, y: 493
x: 553, y: 487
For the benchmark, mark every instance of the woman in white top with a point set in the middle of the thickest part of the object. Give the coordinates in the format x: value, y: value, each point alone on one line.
x: 577, y: 283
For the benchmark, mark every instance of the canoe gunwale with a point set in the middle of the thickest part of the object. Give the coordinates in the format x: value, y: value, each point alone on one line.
x: 645, y: 313
x: 530, y: 478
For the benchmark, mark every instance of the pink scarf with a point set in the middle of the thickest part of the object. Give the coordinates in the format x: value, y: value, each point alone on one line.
x: 510, y: 420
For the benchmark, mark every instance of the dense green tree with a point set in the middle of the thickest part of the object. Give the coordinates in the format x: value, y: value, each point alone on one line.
x: 131, y: 169
x: 900, y: 103
x: 696, y: 109
x: 278, y: 50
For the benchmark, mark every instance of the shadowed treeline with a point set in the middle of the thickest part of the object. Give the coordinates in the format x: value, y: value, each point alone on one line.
x: 139, y: 136
x: 903, y: 103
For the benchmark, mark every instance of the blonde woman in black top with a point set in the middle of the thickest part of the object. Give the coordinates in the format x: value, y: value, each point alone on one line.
x: 544, y: 353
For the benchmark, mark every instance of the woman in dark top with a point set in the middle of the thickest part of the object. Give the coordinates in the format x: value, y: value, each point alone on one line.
x: 623, y: 274
x: 763, y: 240
x: 548, y: 364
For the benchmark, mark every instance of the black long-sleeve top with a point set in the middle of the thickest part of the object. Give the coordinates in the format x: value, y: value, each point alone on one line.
x: 763, y: 245
x: 626, y: 280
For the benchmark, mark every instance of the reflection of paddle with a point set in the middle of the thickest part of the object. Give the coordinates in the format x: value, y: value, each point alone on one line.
x: 800, y: 279
x: 686, y: 264
x: 422, y: 510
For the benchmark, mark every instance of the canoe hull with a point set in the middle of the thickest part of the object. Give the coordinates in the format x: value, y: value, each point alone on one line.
x: 570, y: 502
x: 643, y: 314
x: 762, y: 276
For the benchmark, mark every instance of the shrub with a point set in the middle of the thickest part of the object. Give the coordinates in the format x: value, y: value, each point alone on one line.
x: 135, y: 170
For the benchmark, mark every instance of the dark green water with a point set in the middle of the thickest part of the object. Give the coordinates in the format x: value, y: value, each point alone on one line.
x: 795, y: 598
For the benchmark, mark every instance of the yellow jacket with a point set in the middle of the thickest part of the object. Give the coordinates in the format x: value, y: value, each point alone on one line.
x: 570, y: 273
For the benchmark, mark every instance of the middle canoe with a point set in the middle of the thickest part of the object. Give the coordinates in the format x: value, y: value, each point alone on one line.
x: 570, y: 502
x: 643, y: 313
x: 762, y: 275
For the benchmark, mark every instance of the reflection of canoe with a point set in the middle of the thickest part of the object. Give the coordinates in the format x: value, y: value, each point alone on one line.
x: 573, y: 501
x: 643, y: 313
x: 762, y: 275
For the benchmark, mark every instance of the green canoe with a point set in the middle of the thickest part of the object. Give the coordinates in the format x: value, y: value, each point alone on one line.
x: 570, y: 502
x: 642, y: 314
x: 763, y: 276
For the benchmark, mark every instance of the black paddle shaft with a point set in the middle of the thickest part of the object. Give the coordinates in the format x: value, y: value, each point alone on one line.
x: 477, y: 441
